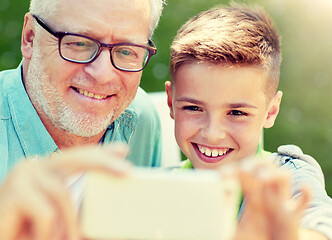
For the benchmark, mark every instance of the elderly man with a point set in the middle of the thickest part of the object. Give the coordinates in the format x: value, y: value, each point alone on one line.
x: 78, y: 84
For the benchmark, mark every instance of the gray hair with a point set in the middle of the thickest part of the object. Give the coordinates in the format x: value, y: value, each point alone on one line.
x: 156, y: 10
x: 47, y: 8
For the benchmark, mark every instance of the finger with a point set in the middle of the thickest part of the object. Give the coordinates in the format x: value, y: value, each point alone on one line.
x: 16, y: 201
x: 279, y: 181
x: 119, y: 149
x: 87, y: 158
x: 57, y: 196
x: 259, y: 182
x: 39, y: 211
x: 251, y: 188
x: 253, y: 164
x: 43, y: 220
x: 10, y: 220
x: 31, y: 217
x: 30, y: 211
x: 303, y: 201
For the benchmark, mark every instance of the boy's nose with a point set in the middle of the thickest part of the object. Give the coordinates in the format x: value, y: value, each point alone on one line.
x: 214, y: 131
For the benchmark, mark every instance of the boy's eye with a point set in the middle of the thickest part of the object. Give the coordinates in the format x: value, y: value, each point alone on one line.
x: 191, y: 108
x: 237, y: 113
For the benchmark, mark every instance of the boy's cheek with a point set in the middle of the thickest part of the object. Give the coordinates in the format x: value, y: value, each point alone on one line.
x: 248, y: 143
x: 183, y: 131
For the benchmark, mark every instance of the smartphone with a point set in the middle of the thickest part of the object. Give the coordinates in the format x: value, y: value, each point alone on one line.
x: 152, y: 204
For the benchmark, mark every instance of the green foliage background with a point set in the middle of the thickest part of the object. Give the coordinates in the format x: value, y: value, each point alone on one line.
x: 305, y: 118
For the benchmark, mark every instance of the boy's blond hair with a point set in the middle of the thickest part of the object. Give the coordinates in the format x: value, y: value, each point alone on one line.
x: 235, y: 35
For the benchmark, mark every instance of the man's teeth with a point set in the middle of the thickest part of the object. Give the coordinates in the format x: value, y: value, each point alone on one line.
x: 212, y: 152
x: 91, y: 95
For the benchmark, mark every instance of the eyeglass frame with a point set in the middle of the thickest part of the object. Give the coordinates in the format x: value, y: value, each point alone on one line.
x: 60, y: 34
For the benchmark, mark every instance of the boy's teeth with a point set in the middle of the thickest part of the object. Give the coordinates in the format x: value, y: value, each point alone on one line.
x: 211, y: 152
x: 215, y: 153
x: 222, y: 152
x: 91, y: 95
x: 208, y: 152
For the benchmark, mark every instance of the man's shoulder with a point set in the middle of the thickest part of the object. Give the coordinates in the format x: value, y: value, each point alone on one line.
x: 145, y: 143
x: 7, y: 76
x: 7, y: 84
x: 141, y: 117
x: 144, y: 107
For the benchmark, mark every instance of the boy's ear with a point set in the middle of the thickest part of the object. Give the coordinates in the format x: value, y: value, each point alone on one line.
x: 28, y: 35
x: 168, y: 88
x: 273, y: 110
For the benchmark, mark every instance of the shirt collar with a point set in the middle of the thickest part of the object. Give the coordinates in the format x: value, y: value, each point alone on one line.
x: 32, y: 134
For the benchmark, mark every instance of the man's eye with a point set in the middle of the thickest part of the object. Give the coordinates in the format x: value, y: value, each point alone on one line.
x: 77, y: 44
x: 80, y: 44
x: 126, y: 52
x: 192, y: 108
x: 237, y: 113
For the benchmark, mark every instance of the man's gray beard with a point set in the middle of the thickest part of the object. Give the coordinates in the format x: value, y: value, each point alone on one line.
x: 54, y: 107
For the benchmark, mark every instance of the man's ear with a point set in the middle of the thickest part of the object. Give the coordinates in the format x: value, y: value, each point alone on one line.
x: 273, y: 110
x: 28, y: 35
x: 168, y: 88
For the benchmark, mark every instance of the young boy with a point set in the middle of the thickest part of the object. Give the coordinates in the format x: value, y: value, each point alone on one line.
x: 225, y: 66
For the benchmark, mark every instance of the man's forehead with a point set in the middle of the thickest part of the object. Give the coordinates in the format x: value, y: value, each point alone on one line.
x: 104, y: 7
x: 98, y: 19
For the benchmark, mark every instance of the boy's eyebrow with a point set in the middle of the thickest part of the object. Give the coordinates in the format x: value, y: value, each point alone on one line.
x: 241, y: 105
x: 190, y: 100
x: 229, y: 105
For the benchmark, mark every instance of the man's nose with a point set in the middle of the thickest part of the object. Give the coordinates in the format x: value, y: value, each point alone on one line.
x: 102, y: 68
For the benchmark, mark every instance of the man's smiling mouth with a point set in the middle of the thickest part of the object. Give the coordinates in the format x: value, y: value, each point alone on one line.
x: 90, y: 94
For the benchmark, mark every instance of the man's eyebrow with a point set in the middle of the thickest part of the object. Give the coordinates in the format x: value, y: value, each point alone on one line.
x: 81, y: 31
x: 85, y: 32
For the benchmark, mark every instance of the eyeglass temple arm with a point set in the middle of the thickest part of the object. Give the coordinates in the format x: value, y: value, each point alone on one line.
x: 153, y: 46
x: 45, y: 26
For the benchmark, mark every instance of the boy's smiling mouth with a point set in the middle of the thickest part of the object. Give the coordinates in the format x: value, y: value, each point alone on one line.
x: 211, y: 154
x: 214, y: 152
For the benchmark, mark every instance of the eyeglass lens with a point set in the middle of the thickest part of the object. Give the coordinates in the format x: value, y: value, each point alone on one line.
x: 81, y: 49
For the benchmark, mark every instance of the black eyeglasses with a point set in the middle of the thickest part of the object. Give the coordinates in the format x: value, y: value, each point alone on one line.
x: 78, y: 48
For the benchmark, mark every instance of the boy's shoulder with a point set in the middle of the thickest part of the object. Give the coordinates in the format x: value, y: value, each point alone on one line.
x: 293, y: 157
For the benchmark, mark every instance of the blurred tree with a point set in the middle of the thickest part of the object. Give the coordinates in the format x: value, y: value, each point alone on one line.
x: 11, y: 22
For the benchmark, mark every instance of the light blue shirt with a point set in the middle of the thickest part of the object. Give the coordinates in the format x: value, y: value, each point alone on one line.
x: 22, y: 133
